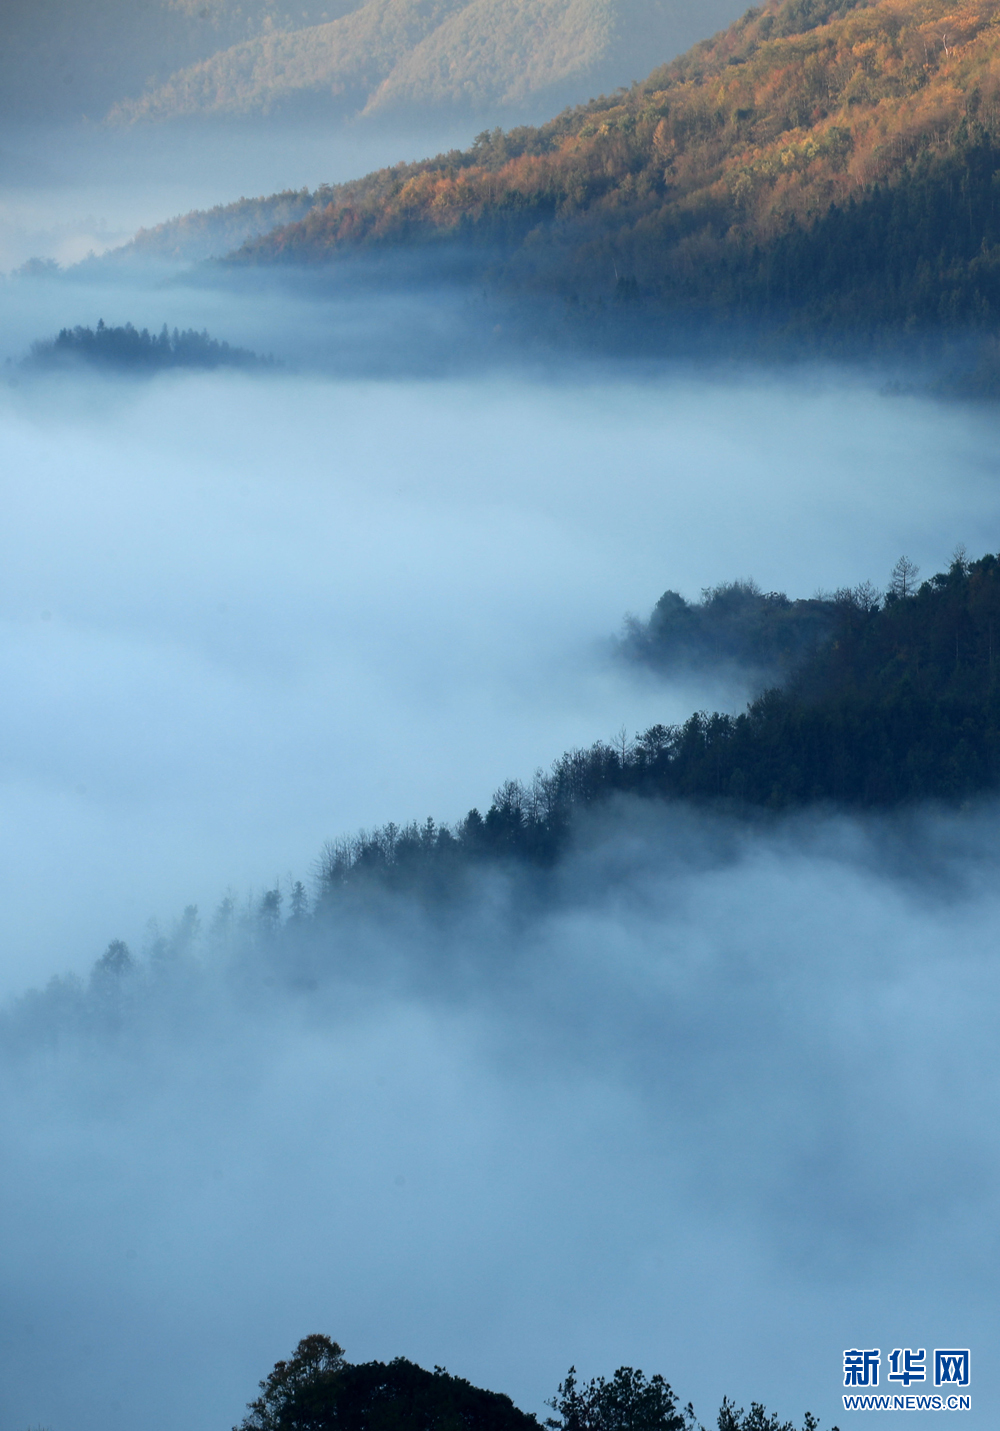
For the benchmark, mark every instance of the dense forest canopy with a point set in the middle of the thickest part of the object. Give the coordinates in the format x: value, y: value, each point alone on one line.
x: 831, y: 163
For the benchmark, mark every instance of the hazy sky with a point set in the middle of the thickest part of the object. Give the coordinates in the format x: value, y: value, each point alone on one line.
x: 721, y: 1108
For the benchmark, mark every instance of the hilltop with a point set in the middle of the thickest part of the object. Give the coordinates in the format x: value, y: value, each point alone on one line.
x: 163, y: 60
x: 829, y: 162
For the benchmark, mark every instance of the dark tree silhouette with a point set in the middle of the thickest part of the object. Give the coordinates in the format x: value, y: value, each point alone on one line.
x: 298, y: 1391
x: 317, y: 1390
x: 628, y: 1402
x: 115, y: 962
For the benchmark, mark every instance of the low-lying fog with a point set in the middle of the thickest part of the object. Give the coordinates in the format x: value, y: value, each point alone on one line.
x: 725, y: 1109
x: 725, y: 1106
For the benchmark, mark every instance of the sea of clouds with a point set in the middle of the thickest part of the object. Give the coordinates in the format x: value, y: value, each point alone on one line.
x: 719, y: 1102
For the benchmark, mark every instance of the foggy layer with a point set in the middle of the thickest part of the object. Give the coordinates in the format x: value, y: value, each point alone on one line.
x: 242, y: 616
x: 721, y: 1104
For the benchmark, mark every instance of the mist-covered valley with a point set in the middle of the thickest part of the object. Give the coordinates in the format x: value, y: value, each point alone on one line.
x: 251, y: 613
x: 711, y: 1088
x: 712, y: 1099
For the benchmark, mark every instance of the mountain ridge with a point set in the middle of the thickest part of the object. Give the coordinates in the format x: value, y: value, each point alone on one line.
x: 67, y: 59
x: 477, y: 56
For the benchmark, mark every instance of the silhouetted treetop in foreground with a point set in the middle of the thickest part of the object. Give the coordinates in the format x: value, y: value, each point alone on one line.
x: 297, y: 1392
x: 130, y: 349
x: 757, y: 1419
x: 628, y: 1402
x: 318, y: 1390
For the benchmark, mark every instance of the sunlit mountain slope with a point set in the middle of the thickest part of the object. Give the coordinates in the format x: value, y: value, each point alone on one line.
x: 839, y: 160
x: 475, y: 55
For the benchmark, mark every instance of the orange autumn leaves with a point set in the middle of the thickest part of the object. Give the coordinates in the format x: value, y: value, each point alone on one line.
x: 764, y: 123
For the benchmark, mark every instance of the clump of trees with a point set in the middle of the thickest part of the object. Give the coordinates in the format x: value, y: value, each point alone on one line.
x: 129, y: 349
x: 317, y: 1389
x: 762, y: 633
x: 628, y: 1402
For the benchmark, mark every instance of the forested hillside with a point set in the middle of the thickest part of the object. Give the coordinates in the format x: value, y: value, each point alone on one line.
x: 828, y: 162
x: 888, y: 700
x: 883, y: 701
x: 206, y: 233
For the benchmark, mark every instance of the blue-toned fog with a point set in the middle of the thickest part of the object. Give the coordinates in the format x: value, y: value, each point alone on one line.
x: 722, y: 1107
